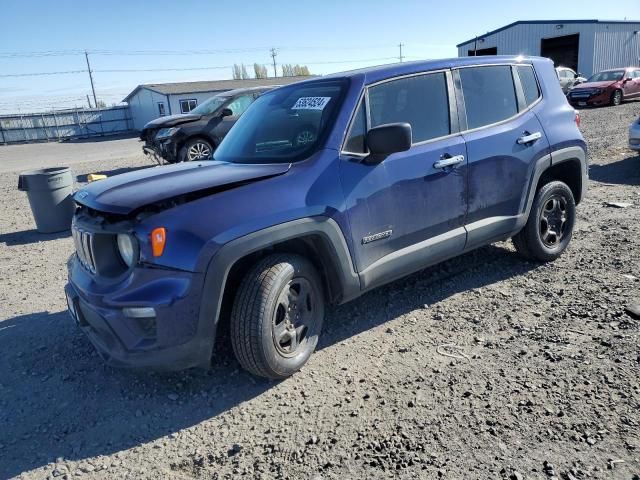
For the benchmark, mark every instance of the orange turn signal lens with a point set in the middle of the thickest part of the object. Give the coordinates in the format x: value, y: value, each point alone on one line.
x: 158, y: 239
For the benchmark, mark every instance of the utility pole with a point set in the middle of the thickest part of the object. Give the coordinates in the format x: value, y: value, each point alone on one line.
x: 95, y: 100
x: 475, y: 47
x: 400, y: 45
x: 273, y: 56
x: 88, y: 101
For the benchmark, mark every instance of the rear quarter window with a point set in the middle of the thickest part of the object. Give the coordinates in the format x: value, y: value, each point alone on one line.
x: 489, y: 94
x: 529, y: 83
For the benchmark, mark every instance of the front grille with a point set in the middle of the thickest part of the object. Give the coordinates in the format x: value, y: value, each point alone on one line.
x: 84, y: 243
x: 582, y: 93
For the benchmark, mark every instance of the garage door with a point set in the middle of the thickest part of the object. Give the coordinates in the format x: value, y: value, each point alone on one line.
x: 562, y: 50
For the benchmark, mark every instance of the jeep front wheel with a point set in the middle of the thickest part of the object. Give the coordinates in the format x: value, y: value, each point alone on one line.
x: 277, y: 316
x: 549, y: 227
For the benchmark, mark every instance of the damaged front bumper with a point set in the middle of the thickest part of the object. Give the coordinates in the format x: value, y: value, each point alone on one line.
x: 148, y: 320
x: 165, y: 149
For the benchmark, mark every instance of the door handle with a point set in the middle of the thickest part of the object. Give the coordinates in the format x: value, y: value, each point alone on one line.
x: 449, y: 161
x: 528, y: 138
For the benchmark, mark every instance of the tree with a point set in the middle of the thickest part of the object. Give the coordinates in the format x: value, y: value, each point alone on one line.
x: 101, y: 104
x: 237, y: 71
x: 240, y: 72
x: 243, y: 72
x: 289, y: 70
x: 260, y: 70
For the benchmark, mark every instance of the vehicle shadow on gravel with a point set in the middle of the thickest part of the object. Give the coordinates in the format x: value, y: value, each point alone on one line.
x: 625, y: 171
x: 474, y: 270
x: 58, y: 400
x: 26, y: 237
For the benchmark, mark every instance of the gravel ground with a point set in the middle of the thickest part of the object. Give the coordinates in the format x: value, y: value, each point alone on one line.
x: 543, y: 381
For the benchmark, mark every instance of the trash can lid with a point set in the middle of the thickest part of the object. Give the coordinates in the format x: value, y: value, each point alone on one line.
x: 45, y: 179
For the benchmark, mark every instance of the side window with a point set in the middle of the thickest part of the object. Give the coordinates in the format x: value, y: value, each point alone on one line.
x: 421, y: 101
x: 635, y: 74
x: 161, y: 109
x: 489, y: 94
x: 355, y: 141
x: 529, y: 83
x: 187, y: 105
x: 240, y: 104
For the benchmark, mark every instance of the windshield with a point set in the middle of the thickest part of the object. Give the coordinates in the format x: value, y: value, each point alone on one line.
x: 611, y: 76
x: 210, y: 106
x: 285, y: 125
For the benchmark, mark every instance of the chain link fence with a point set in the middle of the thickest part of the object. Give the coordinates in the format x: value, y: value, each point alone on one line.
x: 60, y: 125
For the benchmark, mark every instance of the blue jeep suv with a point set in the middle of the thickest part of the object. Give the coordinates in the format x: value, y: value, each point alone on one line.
x: 401, y: 166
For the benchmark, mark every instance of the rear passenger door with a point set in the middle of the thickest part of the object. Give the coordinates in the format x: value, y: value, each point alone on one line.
x: 504, y: 141
x: 407, y: 211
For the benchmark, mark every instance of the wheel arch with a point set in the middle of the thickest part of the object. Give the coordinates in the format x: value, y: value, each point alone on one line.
x: 196, y: 136
x: 319, y: 239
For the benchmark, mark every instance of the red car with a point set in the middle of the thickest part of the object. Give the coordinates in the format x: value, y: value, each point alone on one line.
x: 609, y: 87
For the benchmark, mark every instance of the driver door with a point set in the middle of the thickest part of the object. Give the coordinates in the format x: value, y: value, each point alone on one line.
x: 408, y: 211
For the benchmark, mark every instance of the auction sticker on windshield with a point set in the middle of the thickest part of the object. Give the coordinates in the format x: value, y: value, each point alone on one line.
x: 311, y: 103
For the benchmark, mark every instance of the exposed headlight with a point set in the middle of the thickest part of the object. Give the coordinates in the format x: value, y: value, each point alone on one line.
x: 127, y: 249
x: 166, y: 132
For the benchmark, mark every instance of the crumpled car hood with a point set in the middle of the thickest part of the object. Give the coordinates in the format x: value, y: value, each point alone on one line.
x: 587, y: 85
x: 172, y: 120
x: 125, y: 193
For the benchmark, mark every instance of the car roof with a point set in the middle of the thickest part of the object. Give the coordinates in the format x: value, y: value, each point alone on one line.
x: 240, y: 91
x: 372, y: 74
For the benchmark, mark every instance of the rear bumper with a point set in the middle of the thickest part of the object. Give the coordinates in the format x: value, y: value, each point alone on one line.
x: 634, y: 136
x: 172, y: 340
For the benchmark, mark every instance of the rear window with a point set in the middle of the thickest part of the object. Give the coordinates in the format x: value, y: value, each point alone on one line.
x: 420, y: 101
x: 489, y: 94
x: 529, y: 83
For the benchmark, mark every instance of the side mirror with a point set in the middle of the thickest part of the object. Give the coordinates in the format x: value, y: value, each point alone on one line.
x: 226, y: 112
x: 628, y: 79
x: 387, y: 139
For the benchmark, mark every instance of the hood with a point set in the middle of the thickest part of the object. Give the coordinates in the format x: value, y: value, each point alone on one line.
x: 122, y: 194
x: 172, y: 120
x: 586, y: 85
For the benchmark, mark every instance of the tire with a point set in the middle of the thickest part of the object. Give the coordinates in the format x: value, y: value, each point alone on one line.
x: 549, y: 227
x: 196, y: 149
x: 277, y: 316
x: 616, y: 98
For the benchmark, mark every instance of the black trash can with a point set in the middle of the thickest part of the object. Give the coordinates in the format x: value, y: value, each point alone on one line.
x: 49, y: 192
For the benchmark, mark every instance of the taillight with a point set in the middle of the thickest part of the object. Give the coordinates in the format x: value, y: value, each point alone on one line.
x: 578, y: 118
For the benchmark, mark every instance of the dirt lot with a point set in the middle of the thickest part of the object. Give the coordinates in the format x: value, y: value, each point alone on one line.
x: 547, y: 383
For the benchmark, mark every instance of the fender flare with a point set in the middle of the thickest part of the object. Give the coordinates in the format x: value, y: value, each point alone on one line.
x: 543, y: 164
x: 220, y: 265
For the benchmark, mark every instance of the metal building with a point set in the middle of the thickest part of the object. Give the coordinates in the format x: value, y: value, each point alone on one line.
x: 150, y: 101
x: 586, y: 46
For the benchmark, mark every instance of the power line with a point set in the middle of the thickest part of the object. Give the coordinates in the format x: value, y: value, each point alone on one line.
x: 56, y: 53
x: 189, y: 69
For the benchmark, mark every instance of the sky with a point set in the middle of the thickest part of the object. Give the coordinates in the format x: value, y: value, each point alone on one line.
x: 200, y: 40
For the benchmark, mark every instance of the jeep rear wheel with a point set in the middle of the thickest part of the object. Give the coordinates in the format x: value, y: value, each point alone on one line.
x: 549, y: 227
x: 277, y: 316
